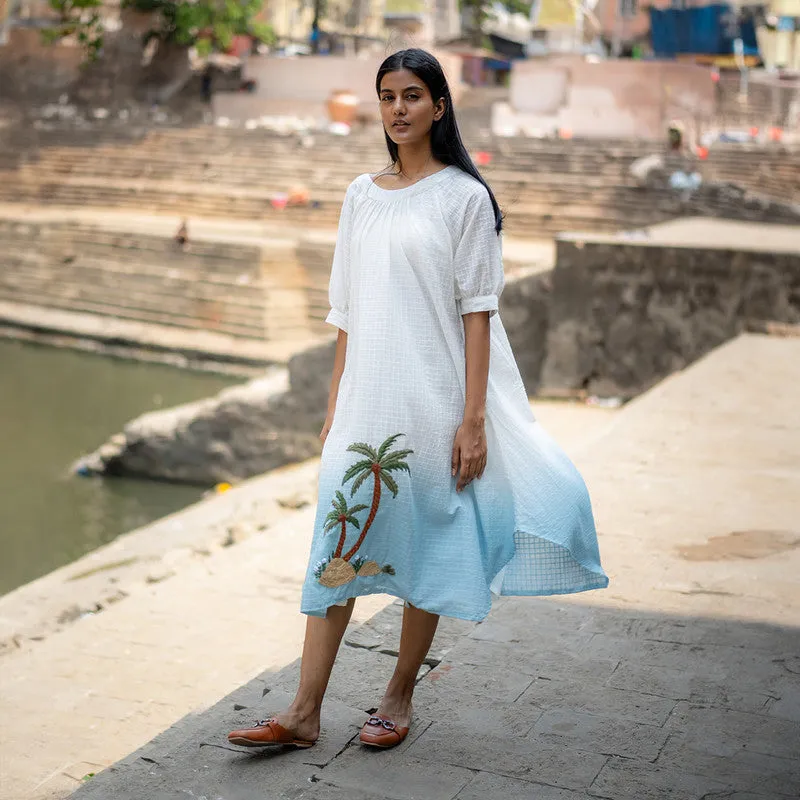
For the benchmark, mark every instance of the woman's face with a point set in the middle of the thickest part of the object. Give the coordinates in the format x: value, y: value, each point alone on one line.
x: 407, y: 108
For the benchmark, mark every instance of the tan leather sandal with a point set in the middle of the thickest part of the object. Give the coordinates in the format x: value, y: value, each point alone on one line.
x: 382, y: 732
x: 266, y: 733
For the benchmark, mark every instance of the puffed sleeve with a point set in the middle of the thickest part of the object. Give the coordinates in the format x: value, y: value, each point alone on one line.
x: 478, y: 259
x: 339, y: 287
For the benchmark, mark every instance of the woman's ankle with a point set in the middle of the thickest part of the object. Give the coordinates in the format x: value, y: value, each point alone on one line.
x: 400, y: 689
x: 305, y: 709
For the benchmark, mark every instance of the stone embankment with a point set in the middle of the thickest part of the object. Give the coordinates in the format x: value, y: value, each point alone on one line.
x: 243, y: 431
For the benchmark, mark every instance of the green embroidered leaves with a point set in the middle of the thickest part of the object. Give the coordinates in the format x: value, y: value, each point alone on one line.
x: 337, y: 569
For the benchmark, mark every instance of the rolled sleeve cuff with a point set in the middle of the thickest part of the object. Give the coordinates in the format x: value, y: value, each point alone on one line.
x: 471, y: 305
x: 337, y: 318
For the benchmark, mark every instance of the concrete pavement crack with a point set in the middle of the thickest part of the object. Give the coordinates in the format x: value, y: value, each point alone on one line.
x: 221, y: 747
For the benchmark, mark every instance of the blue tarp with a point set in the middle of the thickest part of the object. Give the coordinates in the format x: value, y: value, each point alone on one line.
x: 708, y: 29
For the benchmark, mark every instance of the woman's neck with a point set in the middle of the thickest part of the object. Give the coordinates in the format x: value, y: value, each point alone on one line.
x: 414, y: 161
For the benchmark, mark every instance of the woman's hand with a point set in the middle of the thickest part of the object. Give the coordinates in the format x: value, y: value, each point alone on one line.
x: 323, y: 434
x: 469, y: 452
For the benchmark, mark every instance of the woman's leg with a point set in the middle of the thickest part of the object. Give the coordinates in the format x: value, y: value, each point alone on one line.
x: 323, y: 637
x: 419, y: 628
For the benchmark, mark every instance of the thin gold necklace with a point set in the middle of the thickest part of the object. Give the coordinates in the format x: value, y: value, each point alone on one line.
x: 421, y: 175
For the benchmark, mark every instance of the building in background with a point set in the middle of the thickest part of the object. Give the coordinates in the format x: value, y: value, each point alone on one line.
x: 778, y: 35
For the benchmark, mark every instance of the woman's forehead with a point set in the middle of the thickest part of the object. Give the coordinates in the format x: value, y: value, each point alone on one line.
x: 401, y: 80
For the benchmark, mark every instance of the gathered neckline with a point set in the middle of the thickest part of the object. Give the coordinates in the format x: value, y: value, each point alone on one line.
x: 405, y: 191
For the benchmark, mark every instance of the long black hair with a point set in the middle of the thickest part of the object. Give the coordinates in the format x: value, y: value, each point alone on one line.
x: 446, y: 143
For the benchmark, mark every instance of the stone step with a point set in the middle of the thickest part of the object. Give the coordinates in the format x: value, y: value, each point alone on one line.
x: 211, y: 313
x: 159, y: 294
x: 167, y: 258
x: 283, y: 333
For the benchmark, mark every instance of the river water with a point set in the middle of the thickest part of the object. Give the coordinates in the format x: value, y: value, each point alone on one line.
x: 56, y: 405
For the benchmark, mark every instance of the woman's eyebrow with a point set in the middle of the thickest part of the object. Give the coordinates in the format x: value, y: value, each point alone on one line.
x: 412, y: 86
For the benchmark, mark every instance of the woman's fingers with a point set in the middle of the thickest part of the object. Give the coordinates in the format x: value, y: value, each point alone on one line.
x: 454, y: 460
x: 471, y: 468
x: 467, y: 473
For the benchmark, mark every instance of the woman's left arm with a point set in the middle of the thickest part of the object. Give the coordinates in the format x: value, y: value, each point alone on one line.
x: 469, y: 446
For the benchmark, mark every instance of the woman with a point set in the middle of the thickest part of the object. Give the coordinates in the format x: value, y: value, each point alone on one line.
x: 436, y: 484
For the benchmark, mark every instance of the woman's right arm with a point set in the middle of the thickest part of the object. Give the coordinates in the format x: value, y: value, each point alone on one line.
x: 338, y: 369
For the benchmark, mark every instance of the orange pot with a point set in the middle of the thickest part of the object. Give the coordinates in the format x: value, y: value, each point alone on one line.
x: 342, y: 106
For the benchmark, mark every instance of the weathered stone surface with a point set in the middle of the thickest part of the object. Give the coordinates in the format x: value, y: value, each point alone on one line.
x: 243, y: 431
x: 381, y: 633
x: 524, y: 308
x: 396, y: 777
x: 358, y: 679
x: 594, y: 698
x: 557, y: 624
x: 488, y: 786
x: 624, y: 315
x: 716, y: 685
x: 602, y: 734
x: 718, y: 731
x: 746, y: 770
x: 529, y: 758
x: 787, y: 702
x: 554, y: 659
x: 626, y: 779
x: 320, y: 790
x: 499, y: 683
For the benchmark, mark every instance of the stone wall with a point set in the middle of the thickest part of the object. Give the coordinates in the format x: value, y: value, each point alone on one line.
x: 624, y: 316
x: 615, y: 98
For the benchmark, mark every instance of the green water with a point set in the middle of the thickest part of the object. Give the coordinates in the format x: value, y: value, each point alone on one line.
x: 56, y: 405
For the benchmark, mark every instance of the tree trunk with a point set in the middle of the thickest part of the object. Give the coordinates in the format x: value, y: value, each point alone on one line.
x: 376, y: 499
x: 340, y: 544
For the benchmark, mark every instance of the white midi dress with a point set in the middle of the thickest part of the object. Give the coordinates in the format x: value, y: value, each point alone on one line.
x: 408, y: 264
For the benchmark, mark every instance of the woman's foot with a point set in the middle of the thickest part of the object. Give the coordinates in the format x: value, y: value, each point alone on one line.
x: 303, y: 724
x: 290, y: 727
x: 396, y: 707
x: 379, y: 731
x: 389, y: 725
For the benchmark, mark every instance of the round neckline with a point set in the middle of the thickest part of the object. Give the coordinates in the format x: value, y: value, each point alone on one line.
x: 405, y: 191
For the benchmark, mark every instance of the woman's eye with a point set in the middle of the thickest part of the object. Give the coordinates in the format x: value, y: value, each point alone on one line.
x: 412, y: 97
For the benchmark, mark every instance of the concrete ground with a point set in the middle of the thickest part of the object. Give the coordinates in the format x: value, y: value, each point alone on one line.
x: 114, y: 648
x: 679, y: 682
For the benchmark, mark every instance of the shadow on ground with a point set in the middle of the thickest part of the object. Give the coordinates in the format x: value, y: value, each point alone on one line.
x: 545, y: 700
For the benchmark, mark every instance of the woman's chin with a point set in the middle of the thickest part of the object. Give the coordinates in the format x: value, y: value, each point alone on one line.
x: 400, y: 135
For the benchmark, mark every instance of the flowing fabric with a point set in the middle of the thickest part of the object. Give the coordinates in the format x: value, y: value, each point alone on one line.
x: 408, y: 264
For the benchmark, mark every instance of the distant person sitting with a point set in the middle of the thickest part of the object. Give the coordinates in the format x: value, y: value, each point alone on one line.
x: 182, y: 235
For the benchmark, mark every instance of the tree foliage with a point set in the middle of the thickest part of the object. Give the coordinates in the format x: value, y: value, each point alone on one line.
x: 478, y: 11
x: 518, y: 6
x: 79, y: 18
x: 208, y: 25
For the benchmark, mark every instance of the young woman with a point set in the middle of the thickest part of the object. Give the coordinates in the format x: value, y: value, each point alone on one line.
x: 436, y: 483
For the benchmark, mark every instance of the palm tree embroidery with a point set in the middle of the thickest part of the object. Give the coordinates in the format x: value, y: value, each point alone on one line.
x: 341, y: 515
x: 379, y: 465
x: 336, y: 570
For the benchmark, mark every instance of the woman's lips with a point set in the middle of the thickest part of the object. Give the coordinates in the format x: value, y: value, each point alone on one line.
x: 399, y: 124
